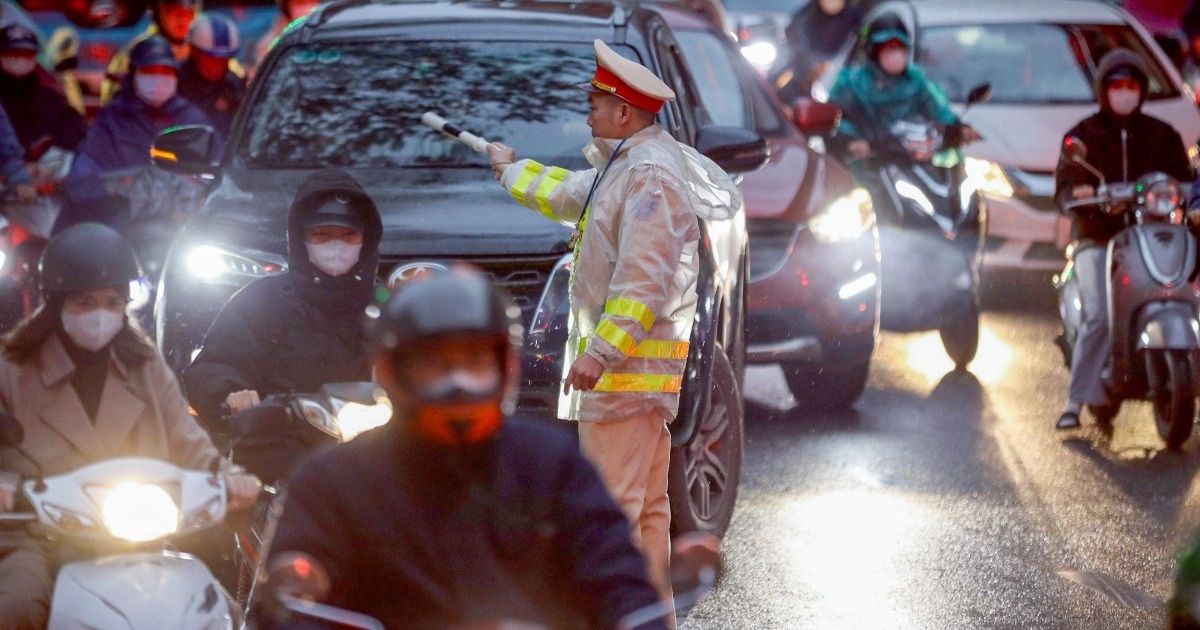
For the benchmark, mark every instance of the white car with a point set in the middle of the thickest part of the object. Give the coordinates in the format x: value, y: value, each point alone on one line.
x: 1040, y: 57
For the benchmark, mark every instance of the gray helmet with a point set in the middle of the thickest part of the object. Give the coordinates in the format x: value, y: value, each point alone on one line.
x: 87, y: 256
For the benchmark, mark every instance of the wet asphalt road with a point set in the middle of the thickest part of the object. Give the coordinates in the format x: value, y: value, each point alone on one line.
x: 948, y: 500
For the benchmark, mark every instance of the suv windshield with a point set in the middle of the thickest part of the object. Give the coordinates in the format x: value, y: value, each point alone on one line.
x: 1029, y: 63
x: 763, y: 6
x: 359, y: 104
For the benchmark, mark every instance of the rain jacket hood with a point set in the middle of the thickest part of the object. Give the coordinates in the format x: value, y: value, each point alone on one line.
x: 355, y: 286
x: 1120, y: 59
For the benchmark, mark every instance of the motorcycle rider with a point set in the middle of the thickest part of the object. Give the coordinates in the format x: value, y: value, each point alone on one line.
x: 86, y: 386
x: 206, y: 78
x: 31, y: 96
x: 172, y: 20
x: 1123, y: 144
x: 460, y: 514
x: 123, y: 132
x: 13, y: 171
x: 299, y: 330
x: 289, y: 11
x: 887, y: 89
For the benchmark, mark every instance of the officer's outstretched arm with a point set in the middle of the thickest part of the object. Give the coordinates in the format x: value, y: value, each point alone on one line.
x: 555, y: 193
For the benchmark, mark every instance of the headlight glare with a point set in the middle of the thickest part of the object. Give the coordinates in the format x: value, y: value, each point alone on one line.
x: 139, y: 512
x: 760, y: 54
x: 354, y: 418
x: 214, y: 264
x: 988, y: 177
x: 847, y: 218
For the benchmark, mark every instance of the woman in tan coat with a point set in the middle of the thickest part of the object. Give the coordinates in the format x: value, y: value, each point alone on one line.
x: 86, y: 386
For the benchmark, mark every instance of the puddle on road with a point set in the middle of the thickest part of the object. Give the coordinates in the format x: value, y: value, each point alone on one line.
x: 1121, y: 592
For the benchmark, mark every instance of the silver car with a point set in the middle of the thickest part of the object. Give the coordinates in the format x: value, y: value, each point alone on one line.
x: 1040, y: 57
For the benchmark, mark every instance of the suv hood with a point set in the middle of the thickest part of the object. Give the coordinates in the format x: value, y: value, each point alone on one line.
x: 426, y: 212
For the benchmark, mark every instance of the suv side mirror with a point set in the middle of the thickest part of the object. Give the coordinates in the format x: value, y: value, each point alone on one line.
x: 734, y: 149
x: 814, y: 118
x: 186, y: 150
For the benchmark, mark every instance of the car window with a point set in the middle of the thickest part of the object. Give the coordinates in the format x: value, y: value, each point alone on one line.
x: 729, y: 99
x: 673, y: 74
x: 763, y: 6
x: 359, y: 104
x: 1028, y: 63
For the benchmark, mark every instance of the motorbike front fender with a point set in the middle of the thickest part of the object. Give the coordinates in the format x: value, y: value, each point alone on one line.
x: 1168, y: 326
x: 139, y: 590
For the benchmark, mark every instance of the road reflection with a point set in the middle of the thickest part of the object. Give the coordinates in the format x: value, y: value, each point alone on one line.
x: 926, y: 356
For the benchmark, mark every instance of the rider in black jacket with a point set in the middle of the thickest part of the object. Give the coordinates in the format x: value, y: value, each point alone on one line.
x: 297, y: 331
x: 453, y: 515
x: 1123, y: 144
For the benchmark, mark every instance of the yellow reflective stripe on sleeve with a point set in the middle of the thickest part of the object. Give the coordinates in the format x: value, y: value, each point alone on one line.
x: 554, y: 177
x: 521, y: 186
x: 613, y: 334
x: 656, y: 349
x: 664, y: 383
x: 625, y: 307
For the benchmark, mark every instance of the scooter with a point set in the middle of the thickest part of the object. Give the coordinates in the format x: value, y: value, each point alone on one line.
x: 1153, y: 299
x: 129, y: 508
x: 931, y: 228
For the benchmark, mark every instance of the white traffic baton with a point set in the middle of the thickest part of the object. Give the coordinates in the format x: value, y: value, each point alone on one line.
x: 477, y: 144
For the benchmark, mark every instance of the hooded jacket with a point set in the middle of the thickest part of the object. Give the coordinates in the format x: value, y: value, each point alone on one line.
x: 873, y: 100
x: 38, y: 108
x: 633, y: 287
x: 295, y: 331
x: 1122, y: 148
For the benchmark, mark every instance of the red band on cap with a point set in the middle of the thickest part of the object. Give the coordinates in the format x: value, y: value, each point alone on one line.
x: 607, y: 81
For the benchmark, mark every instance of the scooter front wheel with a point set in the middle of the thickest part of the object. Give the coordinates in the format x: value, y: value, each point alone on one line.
x: 1174, y: 402
x: 960, y: 337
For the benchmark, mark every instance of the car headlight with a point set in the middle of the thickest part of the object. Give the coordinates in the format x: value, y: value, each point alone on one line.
x: 354, y: 418
x: 139, y: 512
x: 221, y: 266
x: 988, y: 177
x: 847, y: 218
x: 760, y: 54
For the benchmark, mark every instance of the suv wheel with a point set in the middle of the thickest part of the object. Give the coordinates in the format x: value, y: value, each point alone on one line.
x: 827, y: 388
x: 704, y: 473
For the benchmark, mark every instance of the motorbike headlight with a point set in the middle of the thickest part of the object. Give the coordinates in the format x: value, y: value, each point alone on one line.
x: 847, y: 218
x: 139, y: 512
x: 317, y: 416
x: 354, y: 418
x: 221, y: 266
x: 1159, y: 195
x: 988, y: 177
x: 760, y: 54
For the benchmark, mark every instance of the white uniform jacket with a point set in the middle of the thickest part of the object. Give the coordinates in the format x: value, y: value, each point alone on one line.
x: 633, y: 285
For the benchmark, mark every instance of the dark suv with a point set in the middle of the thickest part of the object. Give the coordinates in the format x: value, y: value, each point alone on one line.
x: 347, y: 88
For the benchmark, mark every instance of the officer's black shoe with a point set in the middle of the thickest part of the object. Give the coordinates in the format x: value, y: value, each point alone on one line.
x: 1069, y: 420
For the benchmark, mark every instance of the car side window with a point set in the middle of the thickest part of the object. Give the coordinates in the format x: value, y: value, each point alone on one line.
x: 725, y: 84
x: 674, y: 73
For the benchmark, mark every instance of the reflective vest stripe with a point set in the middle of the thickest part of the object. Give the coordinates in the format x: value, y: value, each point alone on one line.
x: 665, y: 383
x: 633, y: 309
x: 521, y: 186
x: 653, y: 349
x: 613, y: 334
x: 554, y: 177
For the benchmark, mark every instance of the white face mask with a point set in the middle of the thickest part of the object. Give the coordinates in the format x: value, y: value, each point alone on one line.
x: 94, y: 329
x: 154, y: 89
x: 335, y: 257
x: 893, y: 60
x: 17, y: 66
x: 1124, y: 101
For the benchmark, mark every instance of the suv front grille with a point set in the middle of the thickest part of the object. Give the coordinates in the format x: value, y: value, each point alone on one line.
x: 770, y: 242
x: 524, y: 277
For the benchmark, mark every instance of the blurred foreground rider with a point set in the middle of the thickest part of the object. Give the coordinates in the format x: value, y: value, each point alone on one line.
x: 1123, y: 144
x: 455, y: 515
x: 302, y: 329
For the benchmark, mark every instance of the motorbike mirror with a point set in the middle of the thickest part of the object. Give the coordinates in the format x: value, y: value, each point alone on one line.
x: 734, y: 149
x: 814, y: 118
x: 186, y: 150
x: 1074, y: 149
x: 11, y: 431
x: 979, y: 94
x: 296, y: 582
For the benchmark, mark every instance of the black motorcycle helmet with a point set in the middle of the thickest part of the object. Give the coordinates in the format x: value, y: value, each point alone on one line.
x: 84, y: 257
x: 457, y: 304
x: 883, y: 29
x: 156, y: 8
x: 152, y: 51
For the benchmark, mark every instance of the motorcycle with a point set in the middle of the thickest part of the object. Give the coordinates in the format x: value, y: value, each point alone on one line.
x: 931, y: 228
x: 1153, y: 299
x: 128, y: 508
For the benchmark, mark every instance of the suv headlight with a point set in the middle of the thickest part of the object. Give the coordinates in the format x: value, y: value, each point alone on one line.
x: 216, y: 265
x: 988, y: 177
x: 847, y: 218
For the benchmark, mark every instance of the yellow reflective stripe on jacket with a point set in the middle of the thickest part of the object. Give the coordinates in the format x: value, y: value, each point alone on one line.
x: 665, y: 383
x: 554, y: 177
x: 652, y: 349
x: 625, y: 307
x: 613, y: 334
x: 520, y: 187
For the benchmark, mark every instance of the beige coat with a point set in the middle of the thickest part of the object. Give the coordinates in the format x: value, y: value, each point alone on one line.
x: 633, y: 286
x: 142, y: 412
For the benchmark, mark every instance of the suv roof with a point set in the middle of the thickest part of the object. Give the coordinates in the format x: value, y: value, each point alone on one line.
x: 943, y: 12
